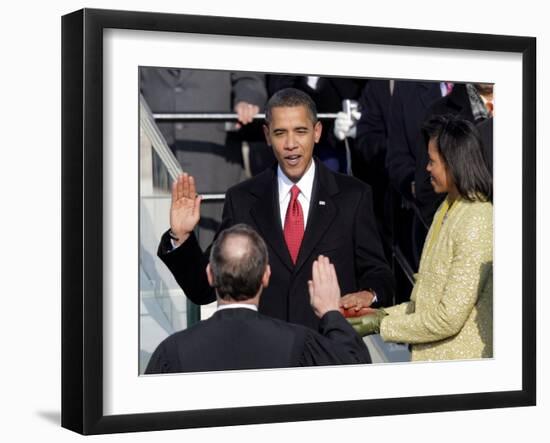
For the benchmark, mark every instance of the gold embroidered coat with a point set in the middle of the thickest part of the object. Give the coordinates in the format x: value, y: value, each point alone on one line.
x: 450, y: 315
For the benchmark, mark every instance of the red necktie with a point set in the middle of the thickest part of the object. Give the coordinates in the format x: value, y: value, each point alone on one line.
x: 449, y: 87
x: 294, y: 224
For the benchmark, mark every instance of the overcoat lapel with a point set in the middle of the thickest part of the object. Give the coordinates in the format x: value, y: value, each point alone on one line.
x: 322, y: 212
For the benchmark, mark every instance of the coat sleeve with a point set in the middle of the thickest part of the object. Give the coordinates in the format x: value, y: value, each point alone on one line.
x: 372, y: 132
x: 400, y: 157
x: 187, y: 263
x: 160, y: 362
x: 336, y: 343
x: 471, y: 264
x: 249, y: 88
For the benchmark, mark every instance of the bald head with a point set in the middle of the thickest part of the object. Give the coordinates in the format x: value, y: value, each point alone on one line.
x: 238, y: 261
x: 236, y: 247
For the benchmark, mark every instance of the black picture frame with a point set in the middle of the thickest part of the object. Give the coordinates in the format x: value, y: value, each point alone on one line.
x: 82, y: 218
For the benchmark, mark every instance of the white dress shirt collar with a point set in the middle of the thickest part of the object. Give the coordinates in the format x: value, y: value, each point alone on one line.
x: 305, y: 184
x: 236, y: 306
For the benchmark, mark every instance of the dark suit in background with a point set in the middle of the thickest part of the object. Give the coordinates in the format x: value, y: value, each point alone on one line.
x: 340, y: 225
x: 371, y: 144
x: 410, y: 102
x: 240, y: 338
x: 486, y: 132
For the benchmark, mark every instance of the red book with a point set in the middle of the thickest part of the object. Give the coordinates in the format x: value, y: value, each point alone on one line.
x: 351, y: 312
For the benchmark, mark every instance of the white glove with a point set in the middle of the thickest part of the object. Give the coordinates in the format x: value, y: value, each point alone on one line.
x: 345, y: 125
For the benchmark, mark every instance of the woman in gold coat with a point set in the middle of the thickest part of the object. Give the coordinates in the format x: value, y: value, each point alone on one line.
x: 450, y: 312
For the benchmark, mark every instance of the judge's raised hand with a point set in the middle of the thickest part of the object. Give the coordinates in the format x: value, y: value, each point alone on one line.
x: 324, y: 291
x: 185, y: 208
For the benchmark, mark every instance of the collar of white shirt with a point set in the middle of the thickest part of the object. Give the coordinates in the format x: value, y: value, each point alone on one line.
x: 306, y: 188
x: 237, y: 305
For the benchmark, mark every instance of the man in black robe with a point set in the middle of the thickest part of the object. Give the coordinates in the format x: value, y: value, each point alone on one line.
x: 238, y: 337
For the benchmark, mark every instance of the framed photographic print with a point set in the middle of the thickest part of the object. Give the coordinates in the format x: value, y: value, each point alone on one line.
x: 108, y: 259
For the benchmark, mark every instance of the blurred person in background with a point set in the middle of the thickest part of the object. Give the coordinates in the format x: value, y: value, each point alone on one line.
x: 205, y: 149
x: 410, y: 104
x: 368, y: 127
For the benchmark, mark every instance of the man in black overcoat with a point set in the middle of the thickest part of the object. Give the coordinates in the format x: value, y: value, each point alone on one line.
x: 335, y: 212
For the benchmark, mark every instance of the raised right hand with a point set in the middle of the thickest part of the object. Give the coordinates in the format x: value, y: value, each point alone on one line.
x: 185, y: 208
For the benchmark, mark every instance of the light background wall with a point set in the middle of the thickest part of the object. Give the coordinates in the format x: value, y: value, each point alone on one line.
x: 30, y: 183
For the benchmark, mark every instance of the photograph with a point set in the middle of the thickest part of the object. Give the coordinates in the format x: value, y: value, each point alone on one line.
x: 358, y: 150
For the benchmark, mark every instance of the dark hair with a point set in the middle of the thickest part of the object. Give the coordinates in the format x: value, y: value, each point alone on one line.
x: 461, y: 148
x: 238, y: 271
x: 290, y: 97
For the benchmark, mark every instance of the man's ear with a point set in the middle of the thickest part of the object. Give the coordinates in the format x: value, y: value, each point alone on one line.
x: 209, y: 275
x: 318, y: 129
x: 266, y: 134
x: 266, y: 276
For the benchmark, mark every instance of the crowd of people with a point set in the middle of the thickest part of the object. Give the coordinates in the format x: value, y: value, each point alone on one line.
x: 303, y: 243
